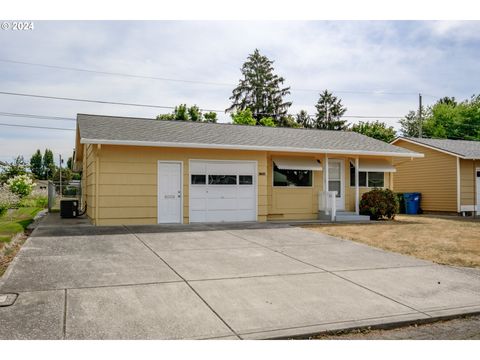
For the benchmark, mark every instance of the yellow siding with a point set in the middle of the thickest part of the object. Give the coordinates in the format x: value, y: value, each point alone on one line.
x: 467, y: 182
x: 89, y: 175
x: 435, y: 176
x: 128, y: 180
x: 124, y: 180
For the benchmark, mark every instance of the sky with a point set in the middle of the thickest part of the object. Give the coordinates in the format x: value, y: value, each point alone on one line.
x: 376, y: 68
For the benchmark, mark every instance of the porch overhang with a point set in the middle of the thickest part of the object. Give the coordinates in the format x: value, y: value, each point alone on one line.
x: 297, y: 163
x: 375, y: 165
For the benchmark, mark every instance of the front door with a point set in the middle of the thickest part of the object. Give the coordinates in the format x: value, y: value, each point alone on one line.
x: 169, y: 192
x: 336, y: 181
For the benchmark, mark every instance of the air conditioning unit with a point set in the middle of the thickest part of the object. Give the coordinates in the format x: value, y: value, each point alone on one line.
x: 68, y: 208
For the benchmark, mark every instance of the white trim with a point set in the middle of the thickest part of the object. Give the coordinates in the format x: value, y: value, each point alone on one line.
x: 469, y: 208
x: 427, y: 146
x: 458, y: 185
x: 357, y: 185
x: 181, y: 187
x: 343, y: 187
x: 245, y: 147
x: 255, y: 179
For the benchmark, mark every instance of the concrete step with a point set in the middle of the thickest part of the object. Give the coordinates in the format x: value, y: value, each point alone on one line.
x: 346, y: 216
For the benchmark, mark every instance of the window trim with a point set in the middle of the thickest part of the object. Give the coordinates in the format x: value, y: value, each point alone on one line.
x: 366, y: 178
x: 291, y: 187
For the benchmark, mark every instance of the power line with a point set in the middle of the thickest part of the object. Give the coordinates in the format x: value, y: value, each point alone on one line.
x: 158, y: 106
x: 36, y: 127
x: 33, y: 116
x: 109, y: 73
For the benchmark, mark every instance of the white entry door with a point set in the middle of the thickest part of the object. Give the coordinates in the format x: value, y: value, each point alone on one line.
x: 336, y: 181
x: 223, y: 191
x: 169, y: 192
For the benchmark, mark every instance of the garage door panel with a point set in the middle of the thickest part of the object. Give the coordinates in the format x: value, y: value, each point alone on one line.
x: 219, y: 191
x: 219, y: 202
x: 245, y: 204
x: 246, y: 192
x: 198, y: 216
x: 198, y: 204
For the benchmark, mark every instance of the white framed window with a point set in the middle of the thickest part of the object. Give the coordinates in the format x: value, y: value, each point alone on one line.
x: 367, y: 179
x: 291, y: 178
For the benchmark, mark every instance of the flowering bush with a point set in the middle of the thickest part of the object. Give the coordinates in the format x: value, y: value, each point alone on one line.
x: 21, y: 185
x: 38, y: 198
x: 7, y: 199
x: 379, y: 203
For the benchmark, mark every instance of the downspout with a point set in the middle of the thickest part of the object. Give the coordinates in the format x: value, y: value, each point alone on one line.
x: 458, y: 185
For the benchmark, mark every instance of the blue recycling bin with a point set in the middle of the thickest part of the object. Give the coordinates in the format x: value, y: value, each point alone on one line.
x: 412, y: 203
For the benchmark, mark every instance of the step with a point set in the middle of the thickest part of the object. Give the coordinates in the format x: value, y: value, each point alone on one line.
x: 344, y: 216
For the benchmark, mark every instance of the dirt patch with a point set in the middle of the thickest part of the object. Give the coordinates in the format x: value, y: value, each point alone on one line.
x: 10, y: 250
x: 444, y: 240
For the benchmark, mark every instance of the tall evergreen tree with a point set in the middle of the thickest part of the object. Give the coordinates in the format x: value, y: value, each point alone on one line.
x: 260, y: 90
x: 36, y: 164
x: 304, y: 120
x: 329, y: 113
x: 48, y: 164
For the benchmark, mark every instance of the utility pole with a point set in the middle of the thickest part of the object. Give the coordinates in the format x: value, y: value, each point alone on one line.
x: 420, y: 124
x: 60, y: 156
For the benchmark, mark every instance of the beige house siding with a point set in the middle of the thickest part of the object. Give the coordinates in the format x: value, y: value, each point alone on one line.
x: 435, y: 176
x: 121, y: 183
x: 128, y: 180
x: 89, y: 163
x: 467, y: 182
x: 293, y: 203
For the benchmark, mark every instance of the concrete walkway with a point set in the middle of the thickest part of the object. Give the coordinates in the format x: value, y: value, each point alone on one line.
x: 247, y: 281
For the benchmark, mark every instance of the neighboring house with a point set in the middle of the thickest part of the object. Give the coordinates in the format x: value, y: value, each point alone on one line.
x: 448, y: 176
x: 144, y: 171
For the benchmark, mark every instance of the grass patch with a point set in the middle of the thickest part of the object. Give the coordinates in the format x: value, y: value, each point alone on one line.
x: 16, y: 222
x: 444, y: 240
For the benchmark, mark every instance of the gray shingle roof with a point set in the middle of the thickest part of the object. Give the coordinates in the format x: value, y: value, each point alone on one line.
x: 124, y: 130
x: 464, y: 148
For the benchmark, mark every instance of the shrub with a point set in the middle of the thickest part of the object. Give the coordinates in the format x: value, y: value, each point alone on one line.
x: 38, y: 199
x: 379, y: 203
x: 7, y: 199
x: 21, y: 185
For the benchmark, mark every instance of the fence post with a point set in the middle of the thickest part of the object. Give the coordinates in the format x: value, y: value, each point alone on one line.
x: 51, y: 195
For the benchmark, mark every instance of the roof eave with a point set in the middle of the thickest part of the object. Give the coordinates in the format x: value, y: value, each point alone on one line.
x: 246, y: 147
x: 428, y: 146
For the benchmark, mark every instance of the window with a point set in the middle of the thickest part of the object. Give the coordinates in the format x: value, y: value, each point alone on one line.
x: 375, y: 179
x: 370, y: 179
x: 245, y: 179
x: 222, y: 179
x: 198, y: 179
x: 291, y: 177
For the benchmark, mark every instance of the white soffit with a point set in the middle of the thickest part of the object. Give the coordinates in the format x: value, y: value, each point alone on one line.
x: 297, y: 163
x: 375, y: 165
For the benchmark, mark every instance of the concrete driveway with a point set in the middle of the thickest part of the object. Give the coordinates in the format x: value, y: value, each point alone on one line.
x: 248, y: 281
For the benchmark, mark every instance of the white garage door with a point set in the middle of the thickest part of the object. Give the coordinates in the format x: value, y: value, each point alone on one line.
x: 223, y: 191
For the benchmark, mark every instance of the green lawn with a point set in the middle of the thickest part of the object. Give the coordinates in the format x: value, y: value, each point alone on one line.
x: 16, y: 222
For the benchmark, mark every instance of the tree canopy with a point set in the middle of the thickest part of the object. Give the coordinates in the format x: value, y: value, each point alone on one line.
x: 375, y: 129
x: 446, y: 119
x: 260, y: 90
x: 329, y: 113
x: 193, y: 113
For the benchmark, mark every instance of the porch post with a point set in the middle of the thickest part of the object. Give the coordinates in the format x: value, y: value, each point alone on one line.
x: 357, y: 186
x: 326, y: 173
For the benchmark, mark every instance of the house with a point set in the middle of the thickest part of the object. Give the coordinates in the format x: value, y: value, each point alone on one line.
x: 144, y: 171
x: 448, y: 176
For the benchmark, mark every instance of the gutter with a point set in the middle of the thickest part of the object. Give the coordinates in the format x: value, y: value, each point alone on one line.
x: 247, y: 147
